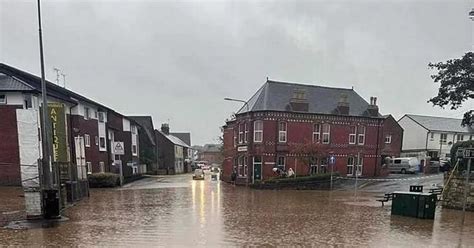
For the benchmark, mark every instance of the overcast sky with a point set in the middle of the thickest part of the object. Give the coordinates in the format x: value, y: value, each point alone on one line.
x: 176, y: 60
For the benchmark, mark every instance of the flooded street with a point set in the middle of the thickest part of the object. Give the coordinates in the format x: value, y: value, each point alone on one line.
x: 177, y: 211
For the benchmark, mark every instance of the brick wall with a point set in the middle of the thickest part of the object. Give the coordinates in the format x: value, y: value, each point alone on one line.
x: 93, y: 154
x: 300, y: 131
x: 9, y: 149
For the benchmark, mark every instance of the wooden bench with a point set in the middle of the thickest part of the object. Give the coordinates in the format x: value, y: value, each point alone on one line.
x: 387, y: 197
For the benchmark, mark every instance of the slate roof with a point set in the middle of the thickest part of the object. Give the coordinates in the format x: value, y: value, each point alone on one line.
x: 146, y: 122
x: 186, y: 137
x: 433, y: 123
x: 276, y: 96
x: 34, y: 82
x: 9, y: 83
x: 175, y: 140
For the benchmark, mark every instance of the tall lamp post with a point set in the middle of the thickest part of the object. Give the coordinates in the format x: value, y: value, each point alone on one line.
x: 247, y: 107
x: 238, y: 100
x: 45, y: 122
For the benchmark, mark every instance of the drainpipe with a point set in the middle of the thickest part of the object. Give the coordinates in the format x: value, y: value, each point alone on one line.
x: 377, y: 150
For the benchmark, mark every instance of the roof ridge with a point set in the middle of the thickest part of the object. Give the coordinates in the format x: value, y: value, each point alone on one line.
x: 309, y: 85
x: 441, y: 117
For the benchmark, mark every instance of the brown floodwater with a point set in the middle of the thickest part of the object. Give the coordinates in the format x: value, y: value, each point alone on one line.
x: 176, y: 211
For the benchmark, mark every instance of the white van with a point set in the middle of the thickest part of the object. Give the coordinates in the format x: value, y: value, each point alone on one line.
x: 403, y: 165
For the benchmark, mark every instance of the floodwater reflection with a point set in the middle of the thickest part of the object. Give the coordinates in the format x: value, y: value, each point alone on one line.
x: 177, y: 211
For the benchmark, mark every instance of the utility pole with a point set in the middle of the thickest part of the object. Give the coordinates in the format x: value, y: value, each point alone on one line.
x: 45, y: 125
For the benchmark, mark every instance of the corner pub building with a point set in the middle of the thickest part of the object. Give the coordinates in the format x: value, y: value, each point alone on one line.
x: 289, y: 125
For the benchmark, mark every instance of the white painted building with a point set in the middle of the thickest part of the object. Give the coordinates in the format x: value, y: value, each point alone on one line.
x: 431, y: 136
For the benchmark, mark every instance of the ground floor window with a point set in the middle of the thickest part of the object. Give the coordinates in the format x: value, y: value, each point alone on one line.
x: 324, y: 165
x: 360, y: 165
x: 242, y: 166
x: 281, y: 162
x: 350, y: 166
x: 89, y: 167
x: 313, y: 166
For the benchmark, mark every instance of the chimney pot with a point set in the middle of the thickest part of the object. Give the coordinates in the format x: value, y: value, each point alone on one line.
x: 165, y: 128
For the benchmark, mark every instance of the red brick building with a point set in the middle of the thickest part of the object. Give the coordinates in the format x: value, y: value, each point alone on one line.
x: 90, y: 129
x: 300, y: 126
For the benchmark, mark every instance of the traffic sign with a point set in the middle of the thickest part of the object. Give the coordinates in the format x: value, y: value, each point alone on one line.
x: 119, y: 148
x: 332, y: 160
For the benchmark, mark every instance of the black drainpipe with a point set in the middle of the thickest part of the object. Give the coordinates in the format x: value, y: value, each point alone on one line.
x: 377, y: 150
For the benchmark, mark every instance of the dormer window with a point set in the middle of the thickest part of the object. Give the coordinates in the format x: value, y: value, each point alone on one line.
x: 299, y: 94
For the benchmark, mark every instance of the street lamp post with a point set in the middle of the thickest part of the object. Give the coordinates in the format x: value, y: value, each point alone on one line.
x: 238, y: 100
x: 46, y: 183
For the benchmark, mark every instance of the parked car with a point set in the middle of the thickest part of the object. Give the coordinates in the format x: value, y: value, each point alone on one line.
x: 198, y: 174
x: 403, y: 165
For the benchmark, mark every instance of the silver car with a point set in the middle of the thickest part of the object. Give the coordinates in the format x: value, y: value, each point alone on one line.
x: 403, y: 165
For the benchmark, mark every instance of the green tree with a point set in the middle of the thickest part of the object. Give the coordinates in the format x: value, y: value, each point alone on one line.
x: 456, y: 77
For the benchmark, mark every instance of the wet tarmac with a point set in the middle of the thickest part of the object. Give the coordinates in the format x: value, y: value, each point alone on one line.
x: 175, y: 211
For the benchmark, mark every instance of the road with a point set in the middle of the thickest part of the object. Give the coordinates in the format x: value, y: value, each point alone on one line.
x: 175, y: 211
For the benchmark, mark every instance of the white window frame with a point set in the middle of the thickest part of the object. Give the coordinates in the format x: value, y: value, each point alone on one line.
x: 459, y: 137
x: 284, y: 162
x: 241, y: 133
x: 246, y: 132
x: 282, y: 133
x: 388, y: 139
x: 360, y: 165
x: 313, y: 165
x: 89, y: 168
x: 101, y: 117
x: 242, y: 166
x: 324, y: 165
x: 87, y: 140
x: 350, y: 165
x: 361, y: 134
x: 100, y: 144
x: 235, y: 134
x: 441, y: 140
x: 87, y: 114
x: 326, y: 134
x: 316, y: 133
x: 352, y: 135
x: 258, y: 131
x: 3, y: 99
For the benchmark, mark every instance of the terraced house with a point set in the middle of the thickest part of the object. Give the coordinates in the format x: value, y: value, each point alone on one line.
x: 87, y: 132
x: 289, y: 125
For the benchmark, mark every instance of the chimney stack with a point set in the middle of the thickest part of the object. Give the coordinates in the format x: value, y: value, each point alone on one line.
x: 343, y: 105
x: 373, y: 109
x: 165, y: 128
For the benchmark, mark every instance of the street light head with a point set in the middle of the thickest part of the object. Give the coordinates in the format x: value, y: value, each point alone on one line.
x: 471, y: 14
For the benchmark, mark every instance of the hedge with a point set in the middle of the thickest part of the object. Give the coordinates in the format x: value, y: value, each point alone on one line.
x: 317, y: 177
x: 103, y: 180
x: 454, y: 148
